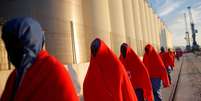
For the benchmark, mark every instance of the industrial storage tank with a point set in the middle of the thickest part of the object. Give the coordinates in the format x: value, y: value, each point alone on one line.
x: 62, y: 22
x: 71, y: 25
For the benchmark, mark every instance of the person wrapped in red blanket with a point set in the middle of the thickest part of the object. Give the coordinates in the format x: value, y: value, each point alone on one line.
x: 172, y: 55
x: 37, y: 76
x: 167, y: 60
x: 106, y: 78
x: 137, y: 72
x: 156, y: 69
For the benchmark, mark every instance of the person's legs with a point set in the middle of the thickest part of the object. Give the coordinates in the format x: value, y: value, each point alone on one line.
x: 139, y: 94
x: 169, y: 76
x: 156, y: 85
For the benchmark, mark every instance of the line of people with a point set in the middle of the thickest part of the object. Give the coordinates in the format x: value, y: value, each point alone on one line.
x: 40, y: 77
x: 112, y: 79
x: 168, y: 60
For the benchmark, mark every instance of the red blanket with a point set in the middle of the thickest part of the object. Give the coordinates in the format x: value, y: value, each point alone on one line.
x: 166, y: 58
x: 155, y: 65
x: 172, y: 55
x: 45, y: 80
x: 138, y: 73
x: 106, y: 78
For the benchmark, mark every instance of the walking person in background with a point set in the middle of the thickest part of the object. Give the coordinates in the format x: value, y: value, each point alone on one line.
x: 167, y: 60
x: 137, y: 72
x: 156, y: 70
x: 172, y: 55
x: 178, y: 54
x: 106, y: 78
x: 37, y: 76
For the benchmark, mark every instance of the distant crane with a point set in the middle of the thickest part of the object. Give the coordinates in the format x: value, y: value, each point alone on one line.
x: 195, y: 46
x: 187, y: 38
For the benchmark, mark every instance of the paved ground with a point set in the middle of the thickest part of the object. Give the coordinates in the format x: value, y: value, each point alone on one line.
x: 166, y: 92
x: 189, y: 87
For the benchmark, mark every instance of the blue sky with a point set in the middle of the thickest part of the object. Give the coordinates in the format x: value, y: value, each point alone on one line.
x: 172, y: 12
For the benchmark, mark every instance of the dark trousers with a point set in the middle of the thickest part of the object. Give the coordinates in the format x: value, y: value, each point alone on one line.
x: 139, y: 94
x: 169, y: 76
x: 156, y: 85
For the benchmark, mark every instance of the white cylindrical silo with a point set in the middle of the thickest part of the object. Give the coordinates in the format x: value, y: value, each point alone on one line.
x: 148, y: 22
x: 97, y: 19
x: 129, y: 24
x: 137, y: 24
x: 117, y: 24
x: 143, y: 22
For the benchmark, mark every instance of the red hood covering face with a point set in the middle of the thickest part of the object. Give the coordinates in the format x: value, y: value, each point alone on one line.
x: 106, y: 78
x: 155, y: 65
x: 137, y: 72
x: 46, y: 80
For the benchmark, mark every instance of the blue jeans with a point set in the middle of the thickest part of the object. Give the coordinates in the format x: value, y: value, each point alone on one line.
x: 139, y: 94
x: 156, y: 85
